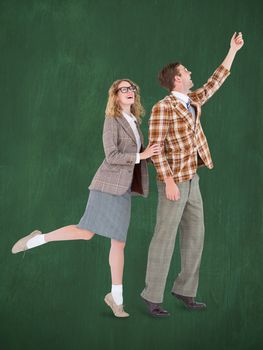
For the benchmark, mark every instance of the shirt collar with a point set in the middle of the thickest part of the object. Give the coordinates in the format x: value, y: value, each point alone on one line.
x: 129, y: 116
x: 181, y: 96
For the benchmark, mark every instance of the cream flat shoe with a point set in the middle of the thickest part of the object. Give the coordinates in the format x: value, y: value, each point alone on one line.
x: 116, y: 309
x: 20, y: 246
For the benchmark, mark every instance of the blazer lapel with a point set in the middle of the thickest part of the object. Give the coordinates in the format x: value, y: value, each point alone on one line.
x: 126, y: 126
x: 183, y: 111
x: 197, y: 111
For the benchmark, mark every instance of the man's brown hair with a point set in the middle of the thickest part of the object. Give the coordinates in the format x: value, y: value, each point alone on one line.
x: 167, y: 74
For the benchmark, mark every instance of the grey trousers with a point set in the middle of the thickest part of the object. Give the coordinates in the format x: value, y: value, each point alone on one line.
x: 187, y: 214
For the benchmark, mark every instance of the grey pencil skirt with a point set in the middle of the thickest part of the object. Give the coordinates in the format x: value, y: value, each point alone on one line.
x: 107, y: 215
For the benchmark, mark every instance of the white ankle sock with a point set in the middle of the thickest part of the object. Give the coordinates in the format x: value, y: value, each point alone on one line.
x: 116, y: 292
x: 36, y: 241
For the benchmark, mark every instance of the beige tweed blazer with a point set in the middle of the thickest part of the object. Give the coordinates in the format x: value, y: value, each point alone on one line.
x: 117, y: 171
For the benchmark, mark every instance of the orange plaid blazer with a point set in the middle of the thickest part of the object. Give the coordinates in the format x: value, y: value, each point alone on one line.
x: 183, y: 142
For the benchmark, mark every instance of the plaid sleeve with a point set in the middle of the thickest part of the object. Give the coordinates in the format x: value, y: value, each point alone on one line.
x: 202, y: 94
x: 158, y: 129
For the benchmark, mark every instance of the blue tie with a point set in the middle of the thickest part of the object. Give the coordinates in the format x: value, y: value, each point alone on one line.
x: 191, y: 110
x: 188, y: 105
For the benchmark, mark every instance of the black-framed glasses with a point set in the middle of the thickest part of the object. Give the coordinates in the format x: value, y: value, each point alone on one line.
x: 125, y: 89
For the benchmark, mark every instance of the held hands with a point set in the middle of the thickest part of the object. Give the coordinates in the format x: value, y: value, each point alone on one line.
x: 150, y: 151
x: 236, y: 41
x: 171, y: 189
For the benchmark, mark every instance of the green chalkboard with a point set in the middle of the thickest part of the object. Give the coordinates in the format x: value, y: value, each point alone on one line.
x: 57, y: 61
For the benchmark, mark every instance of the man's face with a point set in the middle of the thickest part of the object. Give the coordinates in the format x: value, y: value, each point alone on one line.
x: 185, y: 76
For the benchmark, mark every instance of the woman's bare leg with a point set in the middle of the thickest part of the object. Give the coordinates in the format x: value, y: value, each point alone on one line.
x: 116, y: 260
x: 67, y: 233
x: 35, y: 238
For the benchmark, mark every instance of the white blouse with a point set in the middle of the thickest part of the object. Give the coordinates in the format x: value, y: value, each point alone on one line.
x: 132, y: 121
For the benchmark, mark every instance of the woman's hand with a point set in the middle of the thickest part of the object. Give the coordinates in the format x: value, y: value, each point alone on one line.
x: 150, y: 151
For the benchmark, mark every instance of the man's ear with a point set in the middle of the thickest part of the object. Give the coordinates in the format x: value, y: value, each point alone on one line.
x: 177, y: 79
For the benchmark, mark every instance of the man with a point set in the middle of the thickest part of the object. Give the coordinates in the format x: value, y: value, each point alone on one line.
x: 175, y: 126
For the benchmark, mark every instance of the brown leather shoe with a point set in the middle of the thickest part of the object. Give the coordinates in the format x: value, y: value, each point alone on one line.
x: 190, y: 302
x: 155, y: 309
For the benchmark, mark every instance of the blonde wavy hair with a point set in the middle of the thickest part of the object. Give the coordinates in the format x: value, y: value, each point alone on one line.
x: 113, y: 108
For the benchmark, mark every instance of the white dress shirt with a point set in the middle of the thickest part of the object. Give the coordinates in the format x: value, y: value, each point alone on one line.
x: 132, y: 121
x: 182, y: 97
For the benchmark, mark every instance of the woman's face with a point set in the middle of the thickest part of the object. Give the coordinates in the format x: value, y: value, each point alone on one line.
x: 126, y: 93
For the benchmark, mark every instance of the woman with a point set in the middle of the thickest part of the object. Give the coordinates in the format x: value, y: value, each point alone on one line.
x: 122, y: 173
